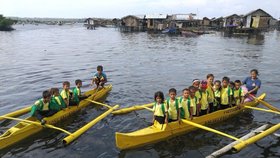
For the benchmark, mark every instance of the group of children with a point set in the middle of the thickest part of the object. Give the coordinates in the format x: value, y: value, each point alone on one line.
x: 201, y: 98
x: 53, y: 101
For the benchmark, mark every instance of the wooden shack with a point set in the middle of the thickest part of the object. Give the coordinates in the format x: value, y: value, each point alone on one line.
x: 205, y: 21
x: 257, y: 19
x: 133, y: 23
x: 156, y: 22
x: 233, y: 20
x: 185, y: 20
x: 89, y: 23
x: 217, y: 23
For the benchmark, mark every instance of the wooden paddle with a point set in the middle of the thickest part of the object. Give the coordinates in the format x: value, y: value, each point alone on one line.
x: 36, y: 123
x: 265, y: 103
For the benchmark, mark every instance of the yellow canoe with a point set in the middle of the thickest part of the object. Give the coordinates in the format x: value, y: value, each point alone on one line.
x: 156, y: 133
x: 23, y: 130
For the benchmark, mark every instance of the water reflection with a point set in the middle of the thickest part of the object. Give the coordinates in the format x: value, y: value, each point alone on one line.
x: 257, y: 39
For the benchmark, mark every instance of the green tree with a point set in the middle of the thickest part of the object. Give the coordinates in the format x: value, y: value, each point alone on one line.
x: 5, y: 24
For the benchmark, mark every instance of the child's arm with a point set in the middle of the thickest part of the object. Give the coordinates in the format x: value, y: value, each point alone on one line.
x: 242, y: 99
x: 191, y: 113
x: 166, y: 117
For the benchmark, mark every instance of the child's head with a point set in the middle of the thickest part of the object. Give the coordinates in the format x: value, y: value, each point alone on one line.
x: 192, y: 91
x: 231, y: 84
x: 159, y: 97
x: 54, y: 91
x: 237, y: 84
x: 210, y: 78
x: 254, y: 73
x: 99, y: 69
x: 186, y: 93
x: 78, y: 83
x: 46, y: 96
x: 66, y: 85
x: 217, y: 84
x: 203, y: 85
x: 196, y: 83
x: 225, y: 81
x: 172, y: 93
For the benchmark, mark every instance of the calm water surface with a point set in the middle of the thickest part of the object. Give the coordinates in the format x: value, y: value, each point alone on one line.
x: 35, y: 58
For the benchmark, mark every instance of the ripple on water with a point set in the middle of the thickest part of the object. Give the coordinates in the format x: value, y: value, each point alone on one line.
x: 137, y: 64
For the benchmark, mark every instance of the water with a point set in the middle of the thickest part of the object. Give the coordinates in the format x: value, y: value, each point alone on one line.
x: 35, y: 58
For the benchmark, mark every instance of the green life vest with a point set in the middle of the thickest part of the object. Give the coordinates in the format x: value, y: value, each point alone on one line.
x: 76, y: 94
x: 182, y: 114
x: 162, y: 108
x: 38, y: 107
x: 176, y: 104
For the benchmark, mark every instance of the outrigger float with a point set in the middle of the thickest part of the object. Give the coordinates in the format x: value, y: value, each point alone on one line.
x: 158, y: 132
x: 30, y: 126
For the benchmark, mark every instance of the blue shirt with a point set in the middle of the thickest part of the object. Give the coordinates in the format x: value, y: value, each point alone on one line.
x: 251, y: 84
x: 96, y: 75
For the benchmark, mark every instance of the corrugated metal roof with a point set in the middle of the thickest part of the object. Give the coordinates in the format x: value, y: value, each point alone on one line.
x: 183, y: 16
x: 156, y: 16
x: 140, y: 16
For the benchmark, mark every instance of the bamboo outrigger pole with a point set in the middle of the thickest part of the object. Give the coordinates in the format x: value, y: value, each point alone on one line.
x: 260, y: 109
x: 82, y: 130
x: 37, y: 123
x: 211, y: 130
x: 228, y: 148
x: 16, y: 113
x: 266, y: 104
x: 251, y: 140
x: 132, y: 108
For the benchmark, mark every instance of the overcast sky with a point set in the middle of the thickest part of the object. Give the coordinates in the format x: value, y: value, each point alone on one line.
x: 120, y: 8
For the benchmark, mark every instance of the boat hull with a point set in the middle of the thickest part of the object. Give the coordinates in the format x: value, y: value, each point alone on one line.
x: 24, y: 130
x: 158, y: 132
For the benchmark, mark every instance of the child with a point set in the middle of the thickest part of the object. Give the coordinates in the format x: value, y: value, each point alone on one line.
x: 99, y: 77
x: 57, y: 99
x: 238, y: 95
x: 77, y: 94
x: 194, y: 101
x: 204, y: 98
x: 226, y: 94
x: 160, y: 109
x: 196, y: 83
x: 187, y: 108
x: 65, y: 93
x: 217, y: 95
x: 173, y: 106
x: 41, y: 108
x: 210, y: 89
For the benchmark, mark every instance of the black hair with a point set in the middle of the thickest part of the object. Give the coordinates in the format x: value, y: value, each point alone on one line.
x: 226, y: 79
x: 209, y: 75
x: 46, y: 94
x: 53, y: 90
x: 99, y: 68
x: 78, y: 81
x: 159, y: 94
x: 66, y: 83
x: 192, y: 88
x: 173, y: 90
x: 218, y: 81
x: 237, y: 81
x: 186, y: 89
x: 256, y: 71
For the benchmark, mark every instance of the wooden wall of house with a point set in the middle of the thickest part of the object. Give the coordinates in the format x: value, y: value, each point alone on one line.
x: 131, y: 21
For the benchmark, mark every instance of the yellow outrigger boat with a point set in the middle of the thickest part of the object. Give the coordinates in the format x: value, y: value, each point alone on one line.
x: 23, y: 130
x: 158, y: 132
